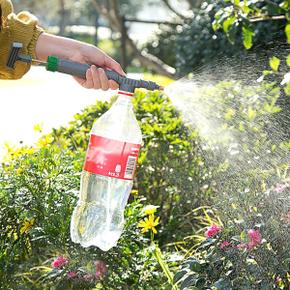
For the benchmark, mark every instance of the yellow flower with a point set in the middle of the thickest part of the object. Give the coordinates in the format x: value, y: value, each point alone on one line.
x: 150, y: 209
x: 26, y: 226
x: 38, y: 127
x: 149, y: 224
x: 134, y: 192
x: 45, y: 141
x: 29, y: 151
x: 19, y: 171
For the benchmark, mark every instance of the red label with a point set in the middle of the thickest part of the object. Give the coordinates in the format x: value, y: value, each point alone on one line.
x: 111, y: 157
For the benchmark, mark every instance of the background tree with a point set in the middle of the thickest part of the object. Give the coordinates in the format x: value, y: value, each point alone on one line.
x: 195, y: 40
x: 215, y: 31
x: 115, y: 11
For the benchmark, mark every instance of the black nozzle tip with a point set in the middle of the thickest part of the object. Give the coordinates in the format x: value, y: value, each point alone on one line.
x: 149, y: 85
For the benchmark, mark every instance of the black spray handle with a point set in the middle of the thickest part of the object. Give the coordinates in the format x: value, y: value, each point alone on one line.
x: 79, y: 70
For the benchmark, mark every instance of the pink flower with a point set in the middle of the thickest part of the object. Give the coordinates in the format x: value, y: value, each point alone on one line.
x: 278, y: 279
x: 71, y: 274
x: 254, y: 235
x: 212, y: 230
x: 59, y: 262
x: 101, y: 269
x: 255, y: 238
x: 225, y: 244
x: 281, y: 187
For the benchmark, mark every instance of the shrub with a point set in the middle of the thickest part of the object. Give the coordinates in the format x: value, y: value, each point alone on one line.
x: 168, y: 173
x: 39, y: 187
x: 228, y: 166
x: 247, y: 154
x: 38, y: 193
x: 251, y: 251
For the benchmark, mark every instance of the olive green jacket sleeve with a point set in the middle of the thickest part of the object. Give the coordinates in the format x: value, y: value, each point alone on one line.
x: 16, y: 28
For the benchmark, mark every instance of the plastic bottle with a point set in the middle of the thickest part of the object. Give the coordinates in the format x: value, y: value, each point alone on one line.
x: 107, y: 177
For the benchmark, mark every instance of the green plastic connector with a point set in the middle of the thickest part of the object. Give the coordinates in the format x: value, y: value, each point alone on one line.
x: 52, y: 63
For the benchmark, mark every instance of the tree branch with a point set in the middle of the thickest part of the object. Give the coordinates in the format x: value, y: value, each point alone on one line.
x: 272, y: 3
x: 115, y: 19
x: 196, y: 4
x: 190, y: 4
x: 150, y: 61
x: 267, y: 18
x: 153, y: 21
x: 169, y: 6
x: 106, y: 13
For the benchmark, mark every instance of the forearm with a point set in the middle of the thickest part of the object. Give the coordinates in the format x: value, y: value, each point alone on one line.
x: 81, y: 52
x: 23, y: 28
x: 48, y: 44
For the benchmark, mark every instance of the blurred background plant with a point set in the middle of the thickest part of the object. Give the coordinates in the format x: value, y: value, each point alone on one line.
x: 178, y: 36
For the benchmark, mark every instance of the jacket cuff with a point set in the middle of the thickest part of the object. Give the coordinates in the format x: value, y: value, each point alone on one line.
x: 32, y: 45
x: 23, y: 28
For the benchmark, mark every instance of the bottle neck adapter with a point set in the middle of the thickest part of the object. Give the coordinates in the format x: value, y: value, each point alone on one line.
x: 124, y: 93
x: 124, y: 98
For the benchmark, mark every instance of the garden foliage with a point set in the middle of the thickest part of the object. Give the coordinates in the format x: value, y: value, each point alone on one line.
x: 39, y: 187
x: 221, y: 29
x: 193, y: 180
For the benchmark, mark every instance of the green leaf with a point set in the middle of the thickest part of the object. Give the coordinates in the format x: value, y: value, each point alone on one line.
x: 228, y: 22
x: 285, y: 4
x: 222, y: 284
x: 287, y: 89
x: 241, y: 127
x: 215, y: 25
x: 248, y: 34
x: 288, y: 60
x: 245, y: 7
x: 164, y: 265
x: 179, y: 275
x: 194, y: 265
x: 267, y: 72
x: 269, y: 108
x: 229, y: 114
x: 237, y: 2
x: 265, y: 286
x: 243, y: 235
x: 274, y: 63
x: 207, y: 243
x: 189, y: 281
x: 287, y: 31
x: 251, y: 114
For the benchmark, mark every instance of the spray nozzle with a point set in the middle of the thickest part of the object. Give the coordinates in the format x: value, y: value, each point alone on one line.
x: 55, y: 64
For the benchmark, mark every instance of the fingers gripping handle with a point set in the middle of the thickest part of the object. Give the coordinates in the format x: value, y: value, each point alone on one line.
x: 74, y: 68
x: 80, y: 69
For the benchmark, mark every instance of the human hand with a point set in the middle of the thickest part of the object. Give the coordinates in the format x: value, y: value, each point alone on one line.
x: 96, y: 77
x: 66, y: 48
